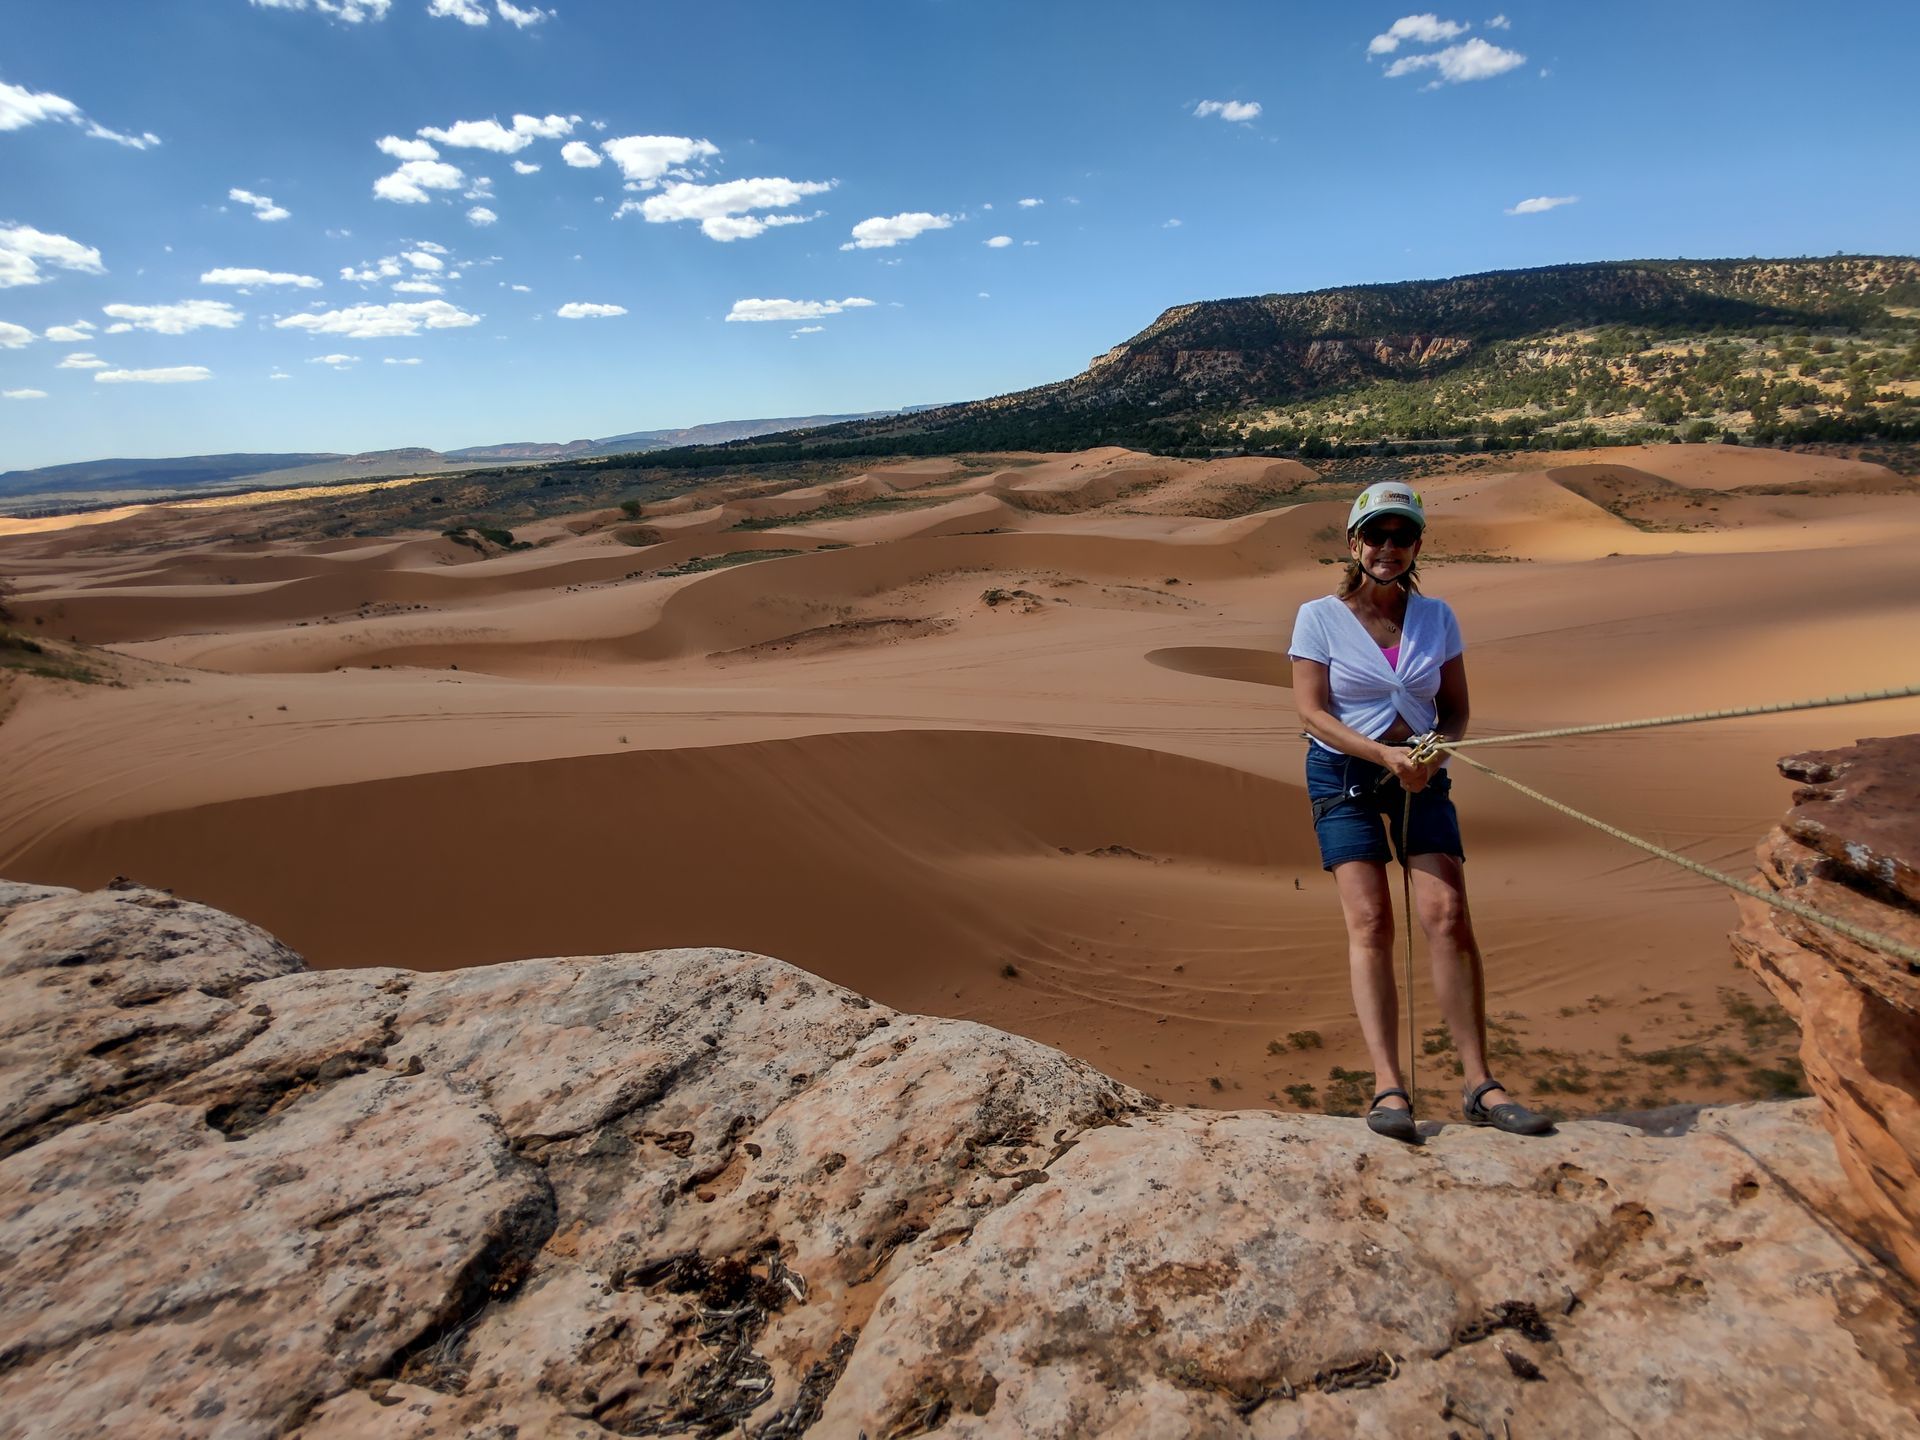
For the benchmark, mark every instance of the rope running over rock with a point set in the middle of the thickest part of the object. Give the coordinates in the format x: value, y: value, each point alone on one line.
x: 1431, y: 744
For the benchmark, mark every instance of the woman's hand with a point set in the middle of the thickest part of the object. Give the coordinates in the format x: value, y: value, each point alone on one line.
x: 1412, y: 774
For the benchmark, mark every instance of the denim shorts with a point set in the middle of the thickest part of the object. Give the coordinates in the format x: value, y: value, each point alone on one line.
x: 1369, y: 813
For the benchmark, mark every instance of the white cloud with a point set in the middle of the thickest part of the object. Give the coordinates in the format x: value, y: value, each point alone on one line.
x: 21, y: 107
x: 403, y: 149
x: 526, y: 167
x: 1421, y: 29
x: 409, y: 360
x: 998, y: 242
x: 760, y: 310
x: 1029, y: 204
x: 524, y: 289
x: 409, y: 184
x: 167, y: 375
x: 739, y: 227
x: 70, y: 334
x: 351, y: 11
x: 1457, y: 64
x: 22, y: 248
x: 278, y: 375
x: 1171, y: 225
x: 259, y: 277
x: 1499, y: 22
x: 492, y: 135
x: 173, y: 319
x: 13, y: 337
x: 81, y: 360
x: 646, y: 159
x: 144, y: 141
x: 519, y: 18
x: 374, y: 271
x: 1539, y: 204
x: 425, y: 259
x: 374, y: 322
x: 418, y: 287
x: 722, y: 210
x: 1028, y: 244
x: 467, y: 12
x: 338, y: 362
x: 883, y: 231
x: 580, y: 155
x: 809, y: 330
x: 431, y: 247
x: 24, y: 394
x: 1234, y: 110
x: 263, y: 206
x: 481, y: 215
x: 583, y: 310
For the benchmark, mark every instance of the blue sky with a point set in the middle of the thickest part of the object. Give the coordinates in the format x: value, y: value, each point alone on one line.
x: 233, y: 225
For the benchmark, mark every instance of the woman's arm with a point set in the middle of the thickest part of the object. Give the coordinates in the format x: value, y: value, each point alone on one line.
x: 1452, y: 713
x: 1451, y: 700
x: 1312, y: 697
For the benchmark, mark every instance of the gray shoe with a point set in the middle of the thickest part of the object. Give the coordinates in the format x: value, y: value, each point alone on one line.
x: 1392, y: 1123
x: 1512, y: 1117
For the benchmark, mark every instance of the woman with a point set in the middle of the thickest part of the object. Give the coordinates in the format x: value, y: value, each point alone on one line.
x: 1375, y: 665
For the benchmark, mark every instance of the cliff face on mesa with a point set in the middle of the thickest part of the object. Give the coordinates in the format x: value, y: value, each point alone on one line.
x: 1221, y: 352
x: 681, y: 1192
x: 1850, y: 847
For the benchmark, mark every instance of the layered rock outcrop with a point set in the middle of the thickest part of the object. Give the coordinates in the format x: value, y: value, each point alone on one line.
x: 700, y: 1192
x: 1850, y: 847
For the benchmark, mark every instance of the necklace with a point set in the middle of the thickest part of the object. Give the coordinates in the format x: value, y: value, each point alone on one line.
x: 1385, y: 622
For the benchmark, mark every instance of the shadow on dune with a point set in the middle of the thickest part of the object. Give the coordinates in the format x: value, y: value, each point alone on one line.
x: 1226, y: 662
x: 858, y: 855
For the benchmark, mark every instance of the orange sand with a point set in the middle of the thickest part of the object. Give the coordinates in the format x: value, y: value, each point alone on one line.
x: 849, y: 759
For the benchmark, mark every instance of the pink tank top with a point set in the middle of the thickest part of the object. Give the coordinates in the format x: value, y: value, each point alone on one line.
x: 1392, y: 652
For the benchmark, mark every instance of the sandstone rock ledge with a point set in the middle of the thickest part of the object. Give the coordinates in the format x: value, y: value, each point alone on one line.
x: 699, y: 1192
x: 1850, y: 846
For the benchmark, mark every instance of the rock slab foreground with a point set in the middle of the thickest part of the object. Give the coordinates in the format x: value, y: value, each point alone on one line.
x: 700, y: 1192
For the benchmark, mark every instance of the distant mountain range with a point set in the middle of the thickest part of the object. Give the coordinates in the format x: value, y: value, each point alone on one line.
x: 101, y: 480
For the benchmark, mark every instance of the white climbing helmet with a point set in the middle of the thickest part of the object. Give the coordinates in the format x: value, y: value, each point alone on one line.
x: 1389, y: 497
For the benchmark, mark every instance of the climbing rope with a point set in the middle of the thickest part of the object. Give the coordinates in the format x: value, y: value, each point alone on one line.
x: 1871, y: 938
x: 1862, y: 697
x: 1406, y: 910
x: 1430, y: 745
x: 1425, y: 747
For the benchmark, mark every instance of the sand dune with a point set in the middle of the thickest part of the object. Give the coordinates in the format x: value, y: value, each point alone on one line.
x: 1010, y: 739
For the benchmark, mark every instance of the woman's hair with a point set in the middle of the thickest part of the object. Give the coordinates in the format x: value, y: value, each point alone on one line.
x: 1351, y: 576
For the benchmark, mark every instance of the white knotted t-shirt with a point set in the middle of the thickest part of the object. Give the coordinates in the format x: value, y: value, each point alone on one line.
x: 1367, y: 692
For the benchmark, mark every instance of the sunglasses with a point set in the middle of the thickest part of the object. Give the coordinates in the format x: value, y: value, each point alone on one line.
x: 1403, y: 537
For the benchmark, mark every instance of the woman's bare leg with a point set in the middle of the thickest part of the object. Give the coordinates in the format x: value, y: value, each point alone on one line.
x: 1368, y: 908
x: 1440, y: 900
